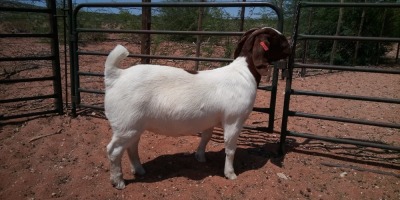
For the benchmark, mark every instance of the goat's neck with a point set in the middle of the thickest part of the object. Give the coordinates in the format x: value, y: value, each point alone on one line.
x: 246, y: 70
x: 252, y: 68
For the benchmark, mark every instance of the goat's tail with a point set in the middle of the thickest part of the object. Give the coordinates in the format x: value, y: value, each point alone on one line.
x: 113, y: 62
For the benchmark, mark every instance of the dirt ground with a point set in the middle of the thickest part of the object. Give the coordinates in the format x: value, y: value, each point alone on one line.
x: 64, y: 157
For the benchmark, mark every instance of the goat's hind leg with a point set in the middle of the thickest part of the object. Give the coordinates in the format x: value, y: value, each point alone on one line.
x: 205, y: 138
x: 133, y: 153
x: 115, y: 149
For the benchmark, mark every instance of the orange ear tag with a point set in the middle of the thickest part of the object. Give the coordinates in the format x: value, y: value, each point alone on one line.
x: 264, y: 46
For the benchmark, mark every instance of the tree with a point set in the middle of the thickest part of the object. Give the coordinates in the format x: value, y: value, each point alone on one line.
x: 179, y: 18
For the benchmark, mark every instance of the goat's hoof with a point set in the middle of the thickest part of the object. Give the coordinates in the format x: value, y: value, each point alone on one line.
x: 200, y: 158
x: 139, y: 171
x: 231, y: 176
x: 119, y: 185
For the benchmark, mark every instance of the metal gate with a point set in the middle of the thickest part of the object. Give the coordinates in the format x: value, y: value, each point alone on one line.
x: 290, y: 92
x: 36, y: 74
x: 77, y: 73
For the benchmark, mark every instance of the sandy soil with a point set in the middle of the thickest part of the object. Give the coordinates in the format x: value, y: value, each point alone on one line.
x: 63, y: 157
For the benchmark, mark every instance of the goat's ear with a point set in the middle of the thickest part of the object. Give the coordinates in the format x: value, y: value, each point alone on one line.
x: 242, y: 41
x: 260, y: 50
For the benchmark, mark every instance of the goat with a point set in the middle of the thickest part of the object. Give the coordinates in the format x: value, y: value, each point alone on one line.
x: 175, y: 102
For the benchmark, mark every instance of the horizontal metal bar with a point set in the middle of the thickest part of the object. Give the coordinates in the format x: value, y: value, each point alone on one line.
x: 101, y: 108
x: 35, y: 10
x: 267, y: 88
x: 183, y: 4
x: 27, y: 98
x: 342, y: 119
x: 347, y: 38
x: 6, y: 117
x: 344, y: 141
x: 21, y: 80
x: 99, y: 74
x: 264, y: 129
x: 213, y: 33
x: 91, y: 91
x: 27, y: 35
x: 27, y: 58
x: 91, y: 74
x: 374, y: 5
x: 162, y: 57
x: 346, y: 68
x: 345, y: 96
x: 177, y: 4
x: 263, y: 110
x: 91, y: 107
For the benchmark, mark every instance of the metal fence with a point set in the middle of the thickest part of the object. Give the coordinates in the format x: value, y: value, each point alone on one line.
x: 291, y: 93
x: 78, y: 73
x: 38, y: 93
x: 41, y: 93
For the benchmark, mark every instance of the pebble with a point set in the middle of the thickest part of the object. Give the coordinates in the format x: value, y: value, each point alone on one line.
x: 282, y: 176
x: 343, y: 174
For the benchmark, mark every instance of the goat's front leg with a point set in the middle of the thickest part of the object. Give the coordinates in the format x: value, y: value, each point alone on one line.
x: 201, y: 150
x: 231, y: 135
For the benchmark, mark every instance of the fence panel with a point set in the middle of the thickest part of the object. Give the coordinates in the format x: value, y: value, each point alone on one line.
x: 29, y: 60
x: 291, y: 93
x: 217, y: 41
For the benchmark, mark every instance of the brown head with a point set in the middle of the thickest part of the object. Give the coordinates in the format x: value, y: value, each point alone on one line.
x: 261, y: 46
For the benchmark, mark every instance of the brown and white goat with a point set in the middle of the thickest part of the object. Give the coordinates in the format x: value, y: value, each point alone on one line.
x: 174, y: 102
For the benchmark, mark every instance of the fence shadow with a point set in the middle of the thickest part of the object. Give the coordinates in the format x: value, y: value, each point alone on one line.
x: 342, y: 152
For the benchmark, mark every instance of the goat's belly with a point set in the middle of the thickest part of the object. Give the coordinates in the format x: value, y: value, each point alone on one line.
x: 180, y: 127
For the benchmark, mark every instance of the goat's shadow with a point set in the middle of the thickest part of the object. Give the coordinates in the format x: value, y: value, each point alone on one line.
x: 247, y: 158
x: 185, y: 165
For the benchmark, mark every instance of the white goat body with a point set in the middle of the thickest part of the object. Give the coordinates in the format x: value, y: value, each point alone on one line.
x: 175, y: 102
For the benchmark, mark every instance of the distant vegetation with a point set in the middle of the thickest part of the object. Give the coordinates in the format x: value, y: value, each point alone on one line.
x: 368, y: 22
x: 322, y: 21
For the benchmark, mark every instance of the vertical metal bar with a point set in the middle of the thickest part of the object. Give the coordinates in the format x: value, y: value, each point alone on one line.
x: 145, y: 38
x: 272, y: 103
x: 198, y: 38
x: 65, y: 12
x: 56, y: 56
x: 275, y: 75
x: 75, y: 40
x: 304, y: 70
x: 288, y: 88
x: 397, y: 53
x: 280, y: 18
x: 72, y: 57
x: 378, y: 45
x: 242, y: 13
